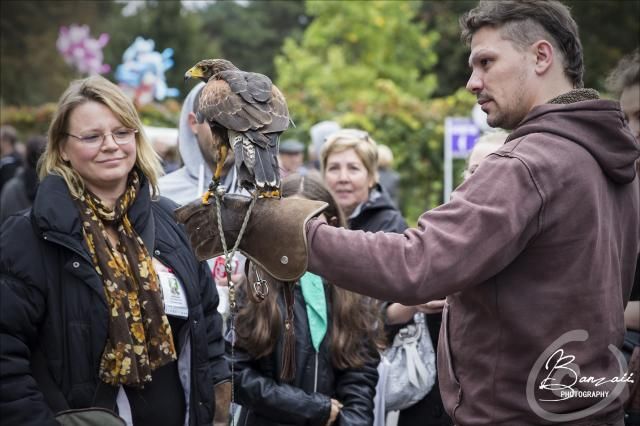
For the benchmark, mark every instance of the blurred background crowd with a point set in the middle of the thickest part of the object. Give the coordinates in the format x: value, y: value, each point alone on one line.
x: 395, y: 69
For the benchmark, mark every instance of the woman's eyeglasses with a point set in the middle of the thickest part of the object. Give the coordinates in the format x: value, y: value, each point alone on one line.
x: 121, y: 137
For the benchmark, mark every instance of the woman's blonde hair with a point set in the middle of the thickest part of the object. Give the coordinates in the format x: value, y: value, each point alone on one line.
x: 96, y: 89
x: 358, y: 140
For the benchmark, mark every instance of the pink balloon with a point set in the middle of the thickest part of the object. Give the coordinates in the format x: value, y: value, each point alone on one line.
x: 81, y: 51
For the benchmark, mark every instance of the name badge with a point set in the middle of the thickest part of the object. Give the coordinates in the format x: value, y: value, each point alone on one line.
x: 175, y: 301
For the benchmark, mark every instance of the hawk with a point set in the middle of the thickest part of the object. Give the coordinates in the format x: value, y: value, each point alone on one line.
x: 247, y: 113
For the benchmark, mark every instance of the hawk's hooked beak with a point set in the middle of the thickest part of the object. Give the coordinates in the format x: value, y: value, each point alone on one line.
x: 193, y: 72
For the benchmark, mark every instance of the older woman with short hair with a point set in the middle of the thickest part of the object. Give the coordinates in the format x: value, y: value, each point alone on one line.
x: 349, y: 164
x: 103, y: 301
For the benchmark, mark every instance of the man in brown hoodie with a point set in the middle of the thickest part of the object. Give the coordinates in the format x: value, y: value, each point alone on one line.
x: 535, y: 252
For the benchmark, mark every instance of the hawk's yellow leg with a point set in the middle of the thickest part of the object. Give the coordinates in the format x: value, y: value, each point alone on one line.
x: 222, y: 156
x: 270, y: 194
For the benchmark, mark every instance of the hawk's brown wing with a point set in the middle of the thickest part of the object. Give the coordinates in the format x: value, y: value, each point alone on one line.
x: 219, y: 105
x: 252, y: 107
x: 278, y: 111
x: 245, y: 102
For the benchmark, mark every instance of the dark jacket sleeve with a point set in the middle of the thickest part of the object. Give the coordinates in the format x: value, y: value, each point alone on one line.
x: 356, y: 389
x: 215, y: 341
x: 277, y: 401
x: 22, y: 308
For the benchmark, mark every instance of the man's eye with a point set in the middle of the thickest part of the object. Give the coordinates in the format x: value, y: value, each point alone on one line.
x: 485, y: 62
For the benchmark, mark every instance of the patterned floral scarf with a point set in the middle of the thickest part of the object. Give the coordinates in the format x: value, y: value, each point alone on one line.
x: 139, y: 339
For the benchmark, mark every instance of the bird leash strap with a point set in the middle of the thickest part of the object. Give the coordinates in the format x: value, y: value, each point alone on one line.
x: 228, y: 256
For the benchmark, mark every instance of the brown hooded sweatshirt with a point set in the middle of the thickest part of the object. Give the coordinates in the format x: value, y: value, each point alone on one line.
x: 536, y: 248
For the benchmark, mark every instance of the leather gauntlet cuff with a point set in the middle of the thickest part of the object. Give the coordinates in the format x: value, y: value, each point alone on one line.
x: 275, y: 237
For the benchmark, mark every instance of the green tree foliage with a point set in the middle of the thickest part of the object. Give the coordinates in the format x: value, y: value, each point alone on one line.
x: 451, y: 69
x: 371, y: 67
x: 609, y: 29
x: 169, y: 25
x: 33, y: 71
x: 251, y: 34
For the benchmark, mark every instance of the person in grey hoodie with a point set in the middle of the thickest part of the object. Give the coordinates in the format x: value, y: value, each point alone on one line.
x: 535, y: 252
x: 191, y: 180
x: 195, y: 144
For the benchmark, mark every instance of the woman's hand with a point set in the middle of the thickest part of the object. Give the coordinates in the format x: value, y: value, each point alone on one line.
x: 401, y: 314
x: 335, y: 410
x: 433, y: 307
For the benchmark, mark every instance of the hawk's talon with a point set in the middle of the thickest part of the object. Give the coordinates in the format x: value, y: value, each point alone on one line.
x: 214, y: 186
x: 205, y: 197
x: 270, y: 194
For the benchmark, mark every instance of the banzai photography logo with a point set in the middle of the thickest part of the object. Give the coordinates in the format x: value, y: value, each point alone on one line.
x: 561, y: 372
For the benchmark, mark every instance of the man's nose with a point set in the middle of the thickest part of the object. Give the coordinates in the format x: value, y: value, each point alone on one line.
x: 474, y: 84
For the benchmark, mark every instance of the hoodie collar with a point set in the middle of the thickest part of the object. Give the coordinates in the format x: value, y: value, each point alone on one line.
x: 576, y: 95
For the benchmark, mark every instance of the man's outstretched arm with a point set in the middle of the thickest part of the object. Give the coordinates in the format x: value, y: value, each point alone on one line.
x: 488, y: 222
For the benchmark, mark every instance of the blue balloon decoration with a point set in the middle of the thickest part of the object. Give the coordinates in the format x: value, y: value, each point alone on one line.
x: 142, y: 72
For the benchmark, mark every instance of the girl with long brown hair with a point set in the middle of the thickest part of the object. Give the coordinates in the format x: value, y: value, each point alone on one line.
x: 307, y: 353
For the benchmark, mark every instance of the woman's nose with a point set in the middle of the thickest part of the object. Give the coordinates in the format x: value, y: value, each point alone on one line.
x: 343, y: 175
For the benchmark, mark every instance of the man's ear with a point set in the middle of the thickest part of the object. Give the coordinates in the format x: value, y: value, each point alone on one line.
x: 544, y: 54
x: 192, y: 121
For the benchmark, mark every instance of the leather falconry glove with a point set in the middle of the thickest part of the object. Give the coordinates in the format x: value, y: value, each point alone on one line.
x: 275, y: 237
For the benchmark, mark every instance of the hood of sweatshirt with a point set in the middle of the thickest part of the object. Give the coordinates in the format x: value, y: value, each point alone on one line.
x: 596, y: 125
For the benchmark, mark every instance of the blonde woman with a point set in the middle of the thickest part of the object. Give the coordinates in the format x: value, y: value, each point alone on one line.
x: 103, y: 302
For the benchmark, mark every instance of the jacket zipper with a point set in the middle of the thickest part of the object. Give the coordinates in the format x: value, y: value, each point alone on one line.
x: 315, y: 377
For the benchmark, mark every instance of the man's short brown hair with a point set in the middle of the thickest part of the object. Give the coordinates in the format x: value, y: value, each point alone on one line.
x: 526, y: 21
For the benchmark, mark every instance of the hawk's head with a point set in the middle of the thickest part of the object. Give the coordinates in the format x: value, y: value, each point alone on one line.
x: 207, y: 68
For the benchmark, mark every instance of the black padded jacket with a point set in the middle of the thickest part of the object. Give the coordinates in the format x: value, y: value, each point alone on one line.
x: 51, y: 298
x: 267, y: 401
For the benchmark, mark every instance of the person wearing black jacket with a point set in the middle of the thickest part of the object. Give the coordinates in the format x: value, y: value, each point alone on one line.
x: 102, y: 302
x: 19, y: 193
x: 325, y: 371
x: 349, y: 162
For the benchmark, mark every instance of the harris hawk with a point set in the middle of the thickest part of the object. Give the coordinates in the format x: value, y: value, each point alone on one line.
x: 246, y: 112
